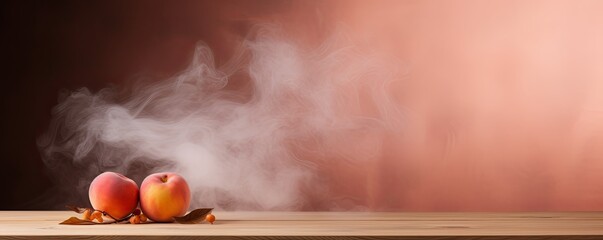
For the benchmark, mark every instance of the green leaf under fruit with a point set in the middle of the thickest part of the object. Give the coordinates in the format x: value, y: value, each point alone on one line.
x: 195, y: 216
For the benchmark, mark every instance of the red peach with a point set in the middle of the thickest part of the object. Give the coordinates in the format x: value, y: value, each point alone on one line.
x: 113, y: 193
x: 164, y: 196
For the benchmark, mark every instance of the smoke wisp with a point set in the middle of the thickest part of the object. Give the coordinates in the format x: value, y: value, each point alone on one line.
x: 250, y: 134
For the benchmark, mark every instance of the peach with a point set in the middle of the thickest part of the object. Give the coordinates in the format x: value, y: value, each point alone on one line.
x: 113, y: 193
x: 164, y: 196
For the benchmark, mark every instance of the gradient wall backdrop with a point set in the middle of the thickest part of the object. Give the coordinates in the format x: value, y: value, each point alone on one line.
x: 502, y: 100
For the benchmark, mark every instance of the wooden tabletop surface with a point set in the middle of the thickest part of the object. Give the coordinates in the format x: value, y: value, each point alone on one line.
x: 319, y: 225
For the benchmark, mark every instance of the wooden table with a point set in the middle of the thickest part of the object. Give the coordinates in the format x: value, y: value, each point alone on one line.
x: 319, y: 225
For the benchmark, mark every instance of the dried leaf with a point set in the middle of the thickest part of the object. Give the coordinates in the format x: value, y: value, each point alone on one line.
x: 77, y: 221
x: 195, y: 216
x: 76, y: 209
x: 115, y: 219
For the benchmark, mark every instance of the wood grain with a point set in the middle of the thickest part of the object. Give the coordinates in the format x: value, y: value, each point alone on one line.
x: 319, y: 225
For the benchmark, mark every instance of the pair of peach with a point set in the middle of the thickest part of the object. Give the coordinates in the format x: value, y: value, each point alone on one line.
x: 162, y: 196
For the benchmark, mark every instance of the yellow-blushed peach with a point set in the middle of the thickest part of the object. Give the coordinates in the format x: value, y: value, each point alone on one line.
x: 164, y: 196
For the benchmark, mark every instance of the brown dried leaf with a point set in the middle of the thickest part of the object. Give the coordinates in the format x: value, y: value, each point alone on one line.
x: 195, y: 216
x: 76, y: 209
x: 77, y: 221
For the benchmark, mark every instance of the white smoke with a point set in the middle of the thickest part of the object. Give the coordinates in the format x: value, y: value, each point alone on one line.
x: 252, y: 147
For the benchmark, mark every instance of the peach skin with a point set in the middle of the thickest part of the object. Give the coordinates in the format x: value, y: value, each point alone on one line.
x: 113, y: 193
x: 164, y: 196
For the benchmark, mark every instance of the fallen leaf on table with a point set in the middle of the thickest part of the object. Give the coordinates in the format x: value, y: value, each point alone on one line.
x: 77, y: 221
x: 195, y: 216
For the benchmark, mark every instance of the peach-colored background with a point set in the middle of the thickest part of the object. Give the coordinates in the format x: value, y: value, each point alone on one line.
x: 503, y: 102
x: 504, y: 105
